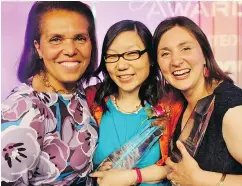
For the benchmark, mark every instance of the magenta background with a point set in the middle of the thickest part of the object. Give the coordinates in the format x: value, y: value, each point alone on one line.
x: 221, y: 21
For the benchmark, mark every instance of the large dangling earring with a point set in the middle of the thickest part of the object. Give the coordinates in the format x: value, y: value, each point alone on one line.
x: 206, y: 72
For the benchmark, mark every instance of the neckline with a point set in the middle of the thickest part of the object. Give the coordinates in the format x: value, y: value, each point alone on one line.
x: 114, y: 102
x: 79, y: 89
x: 178, y: 129
x: 113, y: 107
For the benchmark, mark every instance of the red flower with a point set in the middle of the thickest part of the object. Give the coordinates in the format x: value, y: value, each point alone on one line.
x: 159, y: 111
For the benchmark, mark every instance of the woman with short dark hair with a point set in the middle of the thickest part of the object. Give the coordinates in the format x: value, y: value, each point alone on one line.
x: 48, y: 134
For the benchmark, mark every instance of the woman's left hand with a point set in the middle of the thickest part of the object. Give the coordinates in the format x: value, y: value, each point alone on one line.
x: 187, y: 171
x: 115, y: 177
x: 105, y: 166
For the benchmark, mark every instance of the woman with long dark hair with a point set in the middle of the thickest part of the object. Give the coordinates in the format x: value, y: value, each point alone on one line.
x: 189, y: 69
x: 124, y: 104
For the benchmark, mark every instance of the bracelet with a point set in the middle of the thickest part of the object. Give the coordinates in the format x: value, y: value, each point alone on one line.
x: 221, y: 181
x: 139, y: 175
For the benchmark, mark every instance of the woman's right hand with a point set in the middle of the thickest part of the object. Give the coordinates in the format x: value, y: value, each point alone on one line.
x: 115, y: 177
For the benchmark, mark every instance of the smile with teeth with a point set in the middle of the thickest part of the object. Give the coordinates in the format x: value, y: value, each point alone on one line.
x: 181, y: 72
x: 125, y: 76
x: 70, y: 64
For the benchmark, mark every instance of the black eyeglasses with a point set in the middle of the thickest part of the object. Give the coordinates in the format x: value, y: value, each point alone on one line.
x: 129, y: 56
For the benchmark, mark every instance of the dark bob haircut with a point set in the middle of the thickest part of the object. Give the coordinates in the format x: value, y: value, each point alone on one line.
x: 30, y: 64
x: 215, y: 71
x: 150, y: 89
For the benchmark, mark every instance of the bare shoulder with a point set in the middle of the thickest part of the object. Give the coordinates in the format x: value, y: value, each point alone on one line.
x: 232, y: 131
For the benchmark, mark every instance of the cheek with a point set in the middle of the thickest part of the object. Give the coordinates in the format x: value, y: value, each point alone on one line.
x: 110, y: 69
x: 164, y: 66
x: 194, y: 58
x: 51, y: 53
x: 143, y: 71
x: 86, y: 50
x: 146, y: 71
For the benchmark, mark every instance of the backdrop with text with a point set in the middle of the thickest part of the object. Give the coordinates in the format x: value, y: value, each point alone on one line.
x: 221, y: 22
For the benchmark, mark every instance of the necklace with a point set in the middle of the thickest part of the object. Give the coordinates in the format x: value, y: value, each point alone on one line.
x: 46, y: 83
x: 137, y: 108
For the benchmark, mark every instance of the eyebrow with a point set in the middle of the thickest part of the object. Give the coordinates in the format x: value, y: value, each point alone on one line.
x: 127, y: 47
x: 179, y: 45
x: 61, y: 35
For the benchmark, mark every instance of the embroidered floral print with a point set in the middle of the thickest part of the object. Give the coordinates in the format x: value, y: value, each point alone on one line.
x: 47, y: 139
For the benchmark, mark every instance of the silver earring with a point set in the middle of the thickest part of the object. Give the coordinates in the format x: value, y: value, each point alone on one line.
x: 40, y: 57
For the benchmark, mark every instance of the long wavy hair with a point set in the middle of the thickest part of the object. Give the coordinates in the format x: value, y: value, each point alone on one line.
x: 30, y: 64
x: 215, y: 71
x: 150, y: 90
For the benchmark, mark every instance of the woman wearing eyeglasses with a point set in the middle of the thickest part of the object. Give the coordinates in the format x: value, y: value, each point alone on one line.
x: 130, y: 87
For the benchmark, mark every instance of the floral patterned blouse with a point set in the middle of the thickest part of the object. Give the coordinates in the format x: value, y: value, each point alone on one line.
x: 47, y: 138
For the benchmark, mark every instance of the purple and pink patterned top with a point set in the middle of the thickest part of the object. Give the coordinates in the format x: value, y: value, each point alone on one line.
x: 47, y: 138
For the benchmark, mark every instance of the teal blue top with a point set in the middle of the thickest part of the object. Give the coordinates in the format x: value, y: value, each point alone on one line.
x: 116, y: 128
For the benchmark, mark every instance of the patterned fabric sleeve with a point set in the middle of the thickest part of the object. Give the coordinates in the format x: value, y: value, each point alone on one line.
x: 47, y: 138
x: 24, y: 119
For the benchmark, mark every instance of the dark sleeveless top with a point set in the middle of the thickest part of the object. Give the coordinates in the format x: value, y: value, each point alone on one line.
x: 213, y: 154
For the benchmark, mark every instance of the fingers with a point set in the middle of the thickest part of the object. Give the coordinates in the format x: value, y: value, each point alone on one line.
x: 170, y: 164
x: 99, y: 181
x: 107, y: 163
x: 169, y: 176
x: 167, y: 169
x: 105, y: 168
x: 182, y: 149
x: 97, y: 174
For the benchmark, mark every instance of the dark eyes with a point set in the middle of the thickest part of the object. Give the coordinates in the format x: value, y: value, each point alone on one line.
x: 166, y: 54
x: 81, y: 39
x: 55, y: 40
x: 58, y: 40
x: 186, y: 48
x: 132, y: 53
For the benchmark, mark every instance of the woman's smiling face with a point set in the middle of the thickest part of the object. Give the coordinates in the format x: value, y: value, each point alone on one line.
x: 64, y: 45
x: 128, y: 75
x: 181, y: 59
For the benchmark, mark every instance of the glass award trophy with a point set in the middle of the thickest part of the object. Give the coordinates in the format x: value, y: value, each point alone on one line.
x: 195, y: 128
x: 132, y: 151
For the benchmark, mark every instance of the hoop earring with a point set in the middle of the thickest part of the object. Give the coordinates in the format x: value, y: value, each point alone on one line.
x: 206, y: 72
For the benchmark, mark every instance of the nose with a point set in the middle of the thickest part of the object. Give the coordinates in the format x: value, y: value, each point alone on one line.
x: 176, y: 60
x: 122, y: 64
x: 69, y: 48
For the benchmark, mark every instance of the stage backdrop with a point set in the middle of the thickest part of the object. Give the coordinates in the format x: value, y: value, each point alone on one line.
x: 221, y: 21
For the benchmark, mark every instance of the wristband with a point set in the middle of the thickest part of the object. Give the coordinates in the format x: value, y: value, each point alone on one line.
x: 139, y: 175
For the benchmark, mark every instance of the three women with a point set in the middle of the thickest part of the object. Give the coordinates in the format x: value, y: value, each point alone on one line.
x: 47, y: 127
